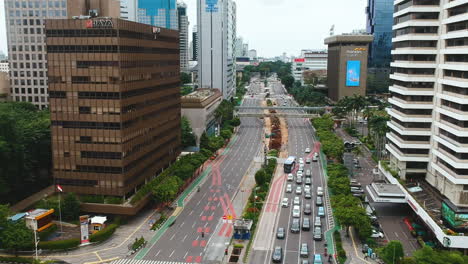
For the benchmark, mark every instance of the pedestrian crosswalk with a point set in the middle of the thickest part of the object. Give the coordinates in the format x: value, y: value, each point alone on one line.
x: 142, y: 261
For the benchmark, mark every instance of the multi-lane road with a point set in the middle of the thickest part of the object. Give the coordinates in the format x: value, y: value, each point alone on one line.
x: 199, y: 235
x: 301, y: 136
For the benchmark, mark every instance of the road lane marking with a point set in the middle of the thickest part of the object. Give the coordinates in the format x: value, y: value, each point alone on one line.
x: 191, y: 212
x: 182, y: 224
x: 185, y: 256
x: 157, y: 254
x: 172, y: 237
x: 185, y: 237
x: 171, y: 253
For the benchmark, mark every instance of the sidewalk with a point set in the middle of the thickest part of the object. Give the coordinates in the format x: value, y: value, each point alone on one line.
x: 353, y: 248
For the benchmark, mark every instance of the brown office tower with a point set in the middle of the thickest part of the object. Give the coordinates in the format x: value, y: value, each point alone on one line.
x: 115, y: 103
x: 347, y: 65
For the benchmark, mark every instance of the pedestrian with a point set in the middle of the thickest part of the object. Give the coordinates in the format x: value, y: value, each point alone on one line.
x: 202, y: 234
x: 365, y: 256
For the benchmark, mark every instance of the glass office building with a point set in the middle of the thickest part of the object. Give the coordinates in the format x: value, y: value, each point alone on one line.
x: 379, y: 24
x: 160, y: 13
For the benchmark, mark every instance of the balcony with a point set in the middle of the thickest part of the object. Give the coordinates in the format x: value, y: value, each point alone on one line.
x: 453, y: 161
x: 424, y: 51
x: 411, y: 91
x: 457, y: 114
x: 409, y: 118
x: 458, y: 83
x: 406, y: 131
x: 417, y: 8
x: 412, y: 77
x: 413, y: 64
x: 416, y: 36
x: 456, y: 66
x: 427, y: 205
x: 454, y: 129
x: 417, y: 23
x: 407, y: 157
x: 447, y: 173
x: 410, y: 104
x: 407, y: 144
x: 454, y: 97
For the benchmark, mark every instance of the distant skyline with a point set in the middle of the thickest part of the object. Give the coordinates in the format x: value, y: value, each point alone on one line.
x: 276, y: 26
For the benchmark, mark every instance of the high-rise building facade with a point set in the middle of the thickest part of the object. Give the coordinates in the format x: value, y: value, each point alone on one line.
x: 128, y: 10
x: 379, y: 24
x: 311, y: 60
x: 253, y: 54
x: 241, y: 50
x: 195, y: 43
x: 115, y: 103
x: 429, y: 113
x: 217, y: 35
x: 161, y: 13
x: 26, y: 47
x: 183, y: 36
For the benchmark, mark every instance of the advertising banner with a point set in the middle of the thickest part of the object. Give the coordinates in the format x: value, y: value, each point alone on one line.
x: 84, y: 221
x: 353, y: 73
x: 456, y: 220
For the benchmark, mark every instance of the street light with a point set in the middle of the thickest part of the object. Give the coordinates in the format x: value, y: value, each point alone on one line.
x: 255, y: 199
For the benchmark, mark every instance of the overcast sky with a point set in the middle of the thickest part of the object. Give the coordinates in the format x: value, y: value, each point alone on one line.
x: 276, y: 26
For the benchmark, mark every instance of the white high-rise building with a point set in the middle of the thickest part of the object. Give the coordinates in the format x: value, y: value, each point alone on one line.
x: 428, y: 132
x: 27, y: 49
x: 217, y: 35
x: 128, y: 10
x: 253, y: 54
x: 183, y: 36
x: 310, y: 60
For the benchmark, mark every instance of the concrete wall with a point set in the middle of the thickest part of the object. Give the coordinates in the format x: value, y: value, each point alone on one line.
x: 106, y: 8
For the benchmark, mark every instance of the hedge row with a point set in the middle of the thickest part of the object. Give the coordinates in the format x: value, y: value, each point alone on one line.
x: 43, y: 235
x: 339, y: 247
x: 59, y: 244
x: 15, y: 260
x: 103, y: 234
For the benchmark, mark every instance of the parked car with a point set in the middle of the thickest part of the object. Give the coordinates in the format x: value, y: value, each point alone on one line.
x: 307, y: 209
x: 280, y: 233
x: 318, y: 233
x: 290, y: 177
x: 289, y: 188
x: 298, y: 190
x: 304, y: 250
x: 277, y: 256
x: 305, y: 224
x: 285, y: 202
x: 356, y: 190
x: 377, y: 234
x: 296, y: 212
x: 319, y: 201
x: 321, y: 211
x: 297, y: 200
x: 295, y: 225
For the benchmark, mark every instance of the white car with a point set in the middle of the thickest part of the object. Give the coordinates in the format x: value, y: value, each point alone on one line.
x: 319, y: 191
x: 297, y: 200
x: 301, y: 161
x: 290, y: 177
x: 289, y: 188
x: 296, y: 212
x: 299, y: 174
x: 301, y: 167
x: 376, y: 234
x: 298, y: 190
x: 307, y: 188
x: 285, y: 202
x: 307, y: 150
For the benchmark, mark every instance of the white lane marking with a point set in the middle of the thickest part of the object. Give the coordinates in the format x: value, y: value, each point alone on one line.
x: 171, y: 253
x: 185, y: 237
x: 157, y: 254
x: 191, y: 212
x: 182, y: 224
x: 172, y: 237
x: 185, y: 256
x: 194, y: 224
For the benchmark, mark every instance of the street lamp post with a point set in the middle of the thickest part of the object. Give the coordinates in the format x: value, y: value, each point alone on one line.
x: 255, y: 199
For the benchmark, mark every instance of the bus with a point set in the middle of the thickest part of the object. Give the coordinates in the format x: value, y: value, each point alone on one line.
x: 289, y: 164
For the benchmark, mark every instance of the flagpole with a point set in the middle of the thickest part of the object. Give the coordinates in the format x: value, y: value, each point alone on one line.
x: 60, y: 214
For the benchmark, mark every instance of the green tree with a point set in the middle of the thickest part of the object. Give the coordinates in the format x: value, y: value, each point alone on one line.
x: 260, y: 177
x: 287, y: 81
x: 339, y: 185
x: 4, y: 213
x: 204, y: 141
x: 226, y: 134
x: 235, y: 122
x: 188, y: 138
x: 224, y: 112
x: 392, y: 253
x: 167, y: 191
x: 16, y: 236
x: 184, y: 171
x: 185, y: 78
x: 70, y: 207
x: 427, y: 255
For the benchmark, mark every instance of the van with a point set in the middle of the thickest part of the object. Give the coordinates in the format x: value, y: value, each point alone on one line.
x: 318, y: 221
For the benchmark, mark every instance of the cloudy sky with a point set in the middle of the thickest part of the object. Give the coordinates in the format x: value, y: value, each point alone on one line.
x: 276, y: 26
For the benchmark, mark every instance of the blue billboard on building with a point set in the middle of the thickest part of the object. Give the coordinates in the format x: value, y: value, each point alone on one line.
x: 353, y: 73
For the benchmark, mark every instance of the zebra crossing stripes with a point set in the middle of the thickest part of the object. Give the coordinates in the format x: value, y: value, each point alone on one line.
x: 142, y: 261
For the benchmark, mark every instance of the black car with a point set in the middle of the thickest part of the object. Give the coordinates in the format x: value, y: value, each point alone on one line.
x: 307, y: 209
x: 280, y: 233
x: 277, y: 256
x: 295, y: 226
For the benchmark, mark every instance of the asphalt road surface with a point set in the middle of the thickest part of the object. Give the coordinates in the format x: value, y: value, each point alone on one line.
x: 184, y: 242
x: 300, y: 138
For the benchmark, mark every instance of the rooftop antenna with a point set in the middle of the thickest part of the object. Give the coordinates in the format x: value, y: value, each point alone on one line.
x: 332, y: 30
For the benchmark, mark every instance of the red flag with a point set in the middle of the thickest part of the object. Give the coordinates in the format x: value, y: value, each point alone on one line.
x: 59, y: 188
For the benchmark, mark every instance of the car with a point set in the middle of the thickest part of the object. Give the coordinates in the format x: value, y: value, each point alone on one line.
x: 301, y: 161
x: 377, y: 234
x: 357, y: 166
x: 307, y: 209
x: 307, y: 195
x: 299, y: 179
x: 297, y: 200
x: 298, y: 190
x: 319, y: 191
x: 299, y: 173
x: 305, y: 224
x: 317, y: 259
x: 304, y: 250
x: 280, y: 233
x: 318, y: 233
x: 289, y: 188
x: 296, y: 212
x: 290, y: 177
x: 355, y: 161
x: 284, y: 104
x: 308, y: 160
x: 277, y: 256
x: 355, y: 184
x: 319, y: 201
x: 356, y: 190
x: 285, y: 202
x: 295, y: 225
x: 318, y: 221
x: 308, y: 181
x: 304, y: 261
x: 307, y: 188
x: 321, y: 211
x: 314, y: 159
x: 307, y: 150
x: 308, y: 173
